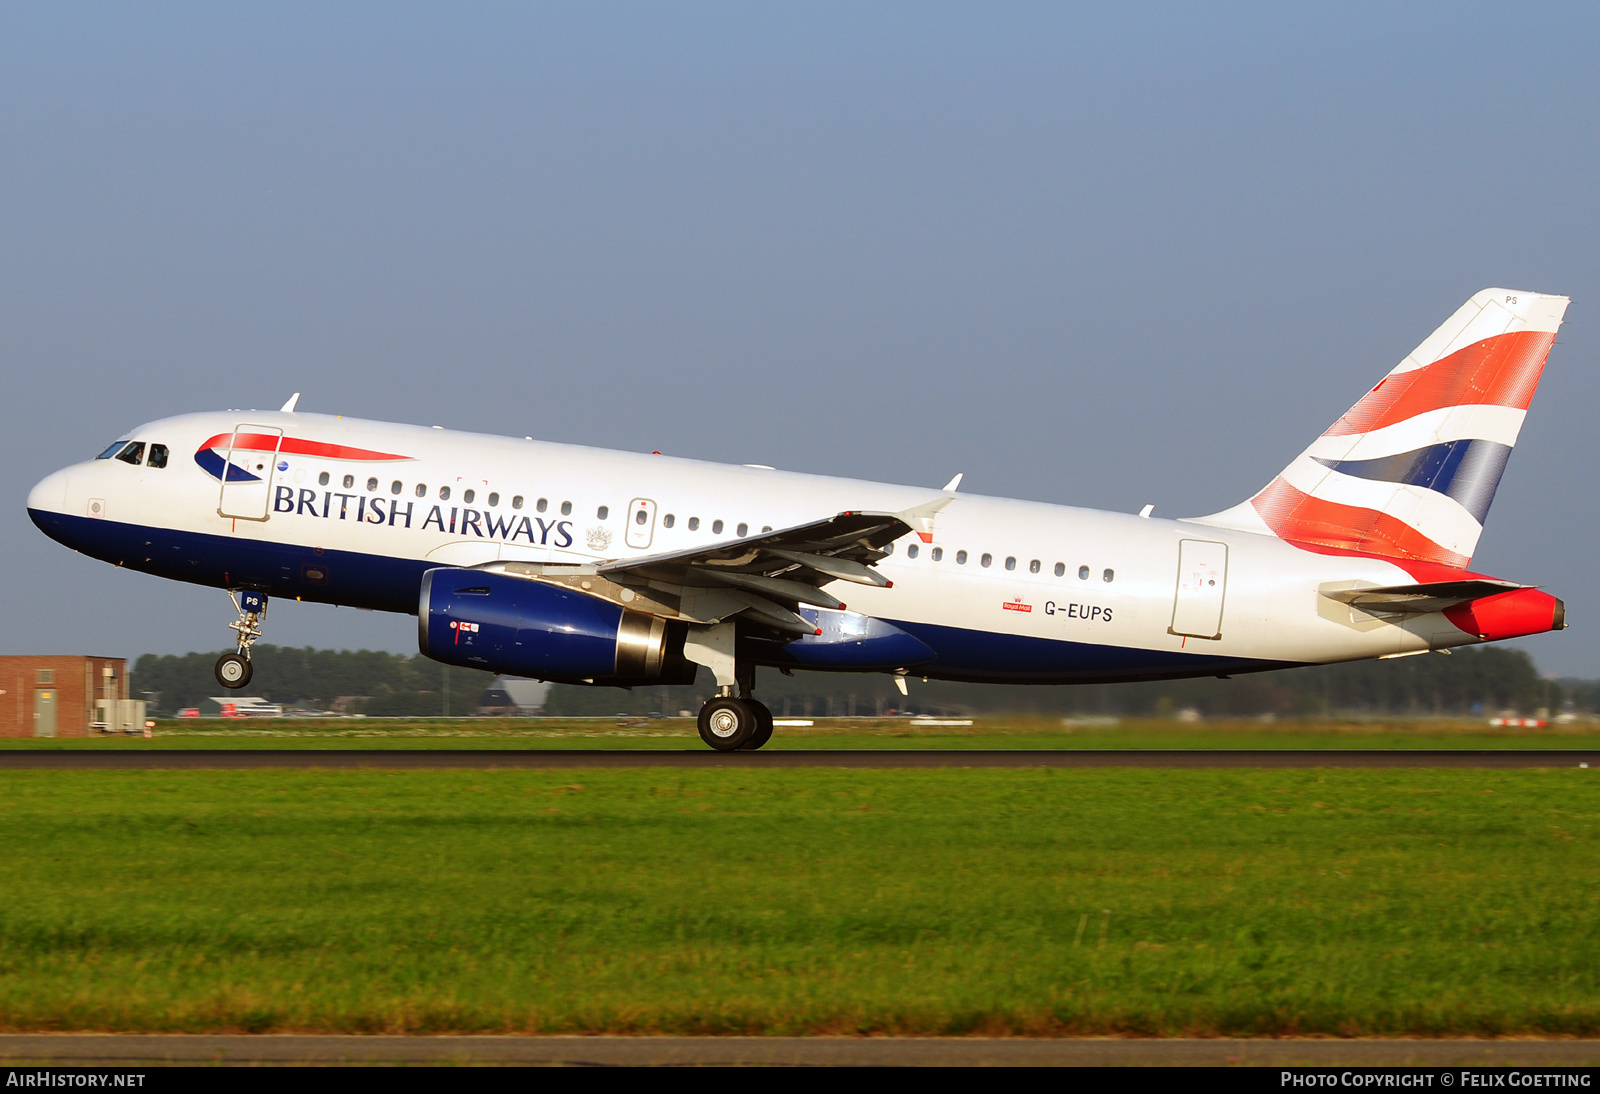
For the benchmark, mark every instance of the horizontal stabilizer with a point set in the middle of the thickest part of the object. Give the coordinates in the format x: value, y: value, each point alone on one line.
x: 1424, y: 599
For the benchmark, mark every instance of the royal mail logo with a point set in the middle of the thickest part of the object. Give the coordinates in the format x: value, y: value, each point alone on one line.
x: 1016, y: 606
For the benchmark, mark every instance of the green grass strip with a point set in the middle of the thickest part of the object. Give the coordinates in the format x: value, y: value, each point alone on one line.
x: 804, y: 901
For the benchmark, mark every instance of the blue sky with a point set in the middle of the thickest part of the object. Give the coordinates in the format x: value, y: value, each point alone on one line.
x: 1100, y: 257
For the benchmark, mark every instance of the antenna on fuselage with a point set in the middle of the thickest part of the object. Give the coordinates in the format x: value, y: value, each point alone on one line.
x: 288, y: 408
x: 955, y: 483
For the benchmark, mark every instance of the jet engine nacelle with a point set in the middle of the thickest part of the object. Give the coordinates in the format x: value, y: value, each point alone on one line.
x: 529, y: 628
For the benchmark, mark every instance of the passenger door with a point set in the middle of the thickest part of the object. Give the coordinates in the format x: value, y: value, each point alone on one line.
x: 247, y: 472
x: 1202, y: 583
x: 641, y: 522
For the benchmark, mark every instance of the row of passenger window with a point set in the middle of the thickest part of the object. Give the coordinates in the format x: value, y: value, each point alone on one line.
x: 469, y: 497
x: 986, y: 560
x: 740, y: 530
x: 133, y: 452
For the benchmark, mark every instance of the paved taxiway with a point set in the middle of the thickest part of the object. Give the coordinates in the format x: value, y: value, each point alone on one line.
x: 403, y: 759
x: 133, y: 1049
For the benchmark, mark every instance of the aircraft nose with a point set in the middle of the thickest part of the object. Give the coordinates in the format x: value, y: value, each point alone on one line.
x: 49, y: 494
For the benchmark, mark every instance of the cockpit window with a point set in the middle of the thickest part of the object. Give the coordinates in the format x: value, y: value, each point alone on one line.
x: 158, y: 456
x: 112, y: 451
x: 133, y: 454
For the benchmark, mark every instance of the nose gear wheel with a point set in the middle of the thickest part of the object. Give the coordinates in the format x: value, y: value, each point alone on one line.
x: 233, y: 670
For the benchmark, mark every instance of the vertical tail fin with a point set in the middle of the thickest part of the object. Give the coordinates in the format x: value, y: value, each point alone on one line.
x: 1410, y: 470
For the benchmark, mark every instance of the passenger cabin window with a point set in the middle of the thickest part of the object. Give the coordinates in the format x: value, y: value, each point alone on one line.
x: 112, y: 451
x: 133, y: 454
x: 889, y: 550
x: 349, y: 481
x: 541, y: 505
x: 494, y: 499
x: 467, y: 496
x: 742, y: 531
x: 694, y: 524
x: 396, y: 486
x: 1061, y: 569
x: 322, y: 479
x: 158, y: 458
x: 1083, y: 573
x: 668, y: 521
x: 936, y: 554
x: 1033, y: 567
x: 1109, y: 575
x: 911, y: 551
x: 1011, y: 563
x: 766, y: 528
x: 566, y: 508
x: 372, y: 484
x: 516, y: 502
x: 444, y: 493
x: 422, y: 490
x: 961, y: 558
x: 605, y: 511
x: 716, y: 527
x: 643, y: 517
x: 986, y: 560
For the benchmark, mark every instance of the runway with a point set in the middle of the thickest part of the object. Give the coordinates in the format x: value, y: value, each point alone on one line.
x: 698, y: 758
x: 134, y: 1049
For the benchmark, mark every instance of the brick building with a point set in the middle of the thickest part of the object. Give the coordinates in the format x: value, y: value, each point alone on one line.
x: 58, y: 696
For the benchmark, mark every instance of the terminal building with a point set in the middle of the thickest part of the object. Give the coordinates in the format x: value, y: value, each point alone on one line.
x: 66, y: 697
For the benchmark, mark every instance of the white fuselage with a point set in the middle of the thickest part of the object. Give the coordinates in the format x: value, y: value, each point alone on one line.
x: 1095, y: 589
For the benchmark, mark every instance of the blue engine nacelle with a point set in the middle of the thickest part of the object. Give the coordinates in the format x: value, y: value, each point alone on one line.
x: 529, y: 628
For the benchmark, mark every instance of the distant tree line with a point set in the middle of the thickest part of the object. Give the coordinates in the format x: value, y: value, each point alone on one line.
x: 1470, y: 681
x: 357, y: 681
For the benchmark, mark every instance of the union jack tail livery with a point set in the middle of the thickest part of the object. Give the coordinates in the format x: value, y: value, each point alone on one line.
x: 1409, y: 471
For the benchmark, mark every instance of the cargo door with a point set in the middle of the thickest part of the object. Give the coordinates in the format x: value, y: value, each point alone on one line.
x: 1202, y: 581
x: 641, y: 522
x: 44, y: 712
x: 247, y: 472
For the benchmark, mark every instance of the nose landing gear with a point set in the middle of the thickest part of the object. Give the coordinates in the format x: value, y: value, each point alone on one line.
x: 233, y: 670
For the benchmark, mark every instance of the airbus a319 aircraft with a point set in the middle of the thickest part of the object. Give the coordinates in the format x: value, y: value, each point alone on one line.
x: 587, y: 566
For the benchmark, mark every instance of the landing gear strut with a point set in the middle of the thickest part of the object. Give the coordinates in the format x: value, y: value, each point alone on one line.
x: 233, y: 670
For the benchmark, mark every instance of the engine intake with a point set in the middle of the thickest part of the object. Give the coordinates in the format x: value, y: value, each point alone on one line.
x: 522, y: 627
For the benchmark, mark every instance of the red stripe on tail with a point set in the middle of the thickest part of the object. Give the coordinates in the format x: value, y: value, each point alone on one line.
x: 1501, y: 371
x: 1298, y: 517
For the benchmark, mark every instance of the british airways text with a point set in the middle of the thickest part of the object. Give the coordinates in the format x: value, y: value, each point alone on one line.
x: 458, y: 521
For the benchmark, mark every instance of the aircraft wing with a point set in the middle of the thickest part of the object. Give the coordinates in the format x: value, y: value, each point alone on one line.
x: 765, y: 577
x: 1422, y: 599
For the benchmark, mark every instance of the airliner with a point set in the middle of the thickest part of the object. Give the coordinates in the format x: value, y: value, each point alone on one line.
x: 587, y: 566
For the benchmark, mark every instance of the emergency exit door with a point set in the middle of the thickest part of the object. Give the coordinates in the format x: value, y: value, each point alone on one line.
x: 247, y: 471
x: 1202, y: 583
x: 641, y: 522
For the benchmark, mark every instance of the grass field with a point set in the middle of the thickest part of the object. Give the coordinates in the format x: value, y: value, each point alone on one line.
x: 1024, y: 901
x: 677, y: 733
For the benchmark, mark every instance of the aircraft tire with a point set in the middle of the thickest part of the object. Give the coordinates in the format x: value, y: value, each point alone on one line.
x: 727, y: 724
x: 763, y: 732
x: 233, y: 671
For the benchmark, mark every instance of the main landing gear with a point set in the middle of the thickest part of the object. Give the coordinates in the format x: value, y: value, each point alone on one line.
x: 233, y: 670
x: 730, y: 724
x: 733, y: 720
